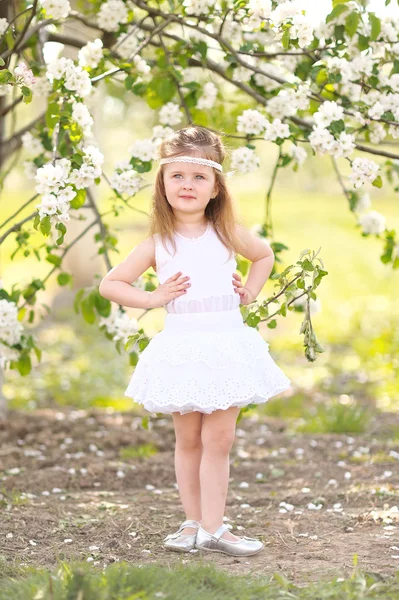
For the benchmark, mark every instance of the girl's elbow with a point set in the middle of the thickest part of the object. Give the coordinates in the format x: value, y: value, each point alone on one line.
x: 103, y: 288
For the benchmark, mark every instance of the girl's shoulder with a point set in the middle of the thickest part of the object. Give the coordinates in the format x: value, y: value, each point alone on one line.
x: 254, y: 247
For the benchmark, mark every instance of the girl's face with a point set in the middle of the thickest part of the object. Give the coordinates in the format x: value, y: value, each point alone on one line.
x: 189, y: 186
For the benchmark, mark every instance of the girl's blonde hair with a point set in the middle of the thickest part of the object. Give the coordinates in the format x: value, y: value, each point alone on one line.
x: 198, y: 141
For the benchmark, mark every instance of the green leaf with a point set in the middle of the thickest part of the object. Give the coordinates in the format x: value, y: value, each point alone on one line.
x: 36, y: 222
x: 338, y: 10
x: 54, y: 260
x: 2, y: 63
x: 52, y: 115
x: 25, y: 91
x: 78, y: 299
x: 272, y: 324
x: 64, y: 278
x: 24, y: 364
x: 377, y: 182
x: 363, y: 42
x: 79, y: 199
x: 375, y: 26
x: 351, y: 23
x: 252, y: 320
x: 163, y: 87
x: 103, y: 305
x: 285, y: 40
x: 45, y: 226
x: 307, y: 265
x: 88, y: 311
x: 133, y: 359
x: 129, y: 81
x: 5, y: 76
x: 338, y: 2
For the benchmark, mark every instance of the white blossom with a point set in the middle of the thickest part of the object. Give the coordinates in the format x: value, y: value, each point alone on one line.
x: 372, y: 222
x: 119, y: 325
x: 77, y: 80
x: 244, y: 160
x: 24, y: 75
x: 82, y: 116
x: 327, y: 113
x: 251, y: 122
x: 198, y: 7
x: 261, y: 8
x: 377, y: 132
x: 376, y: 111
x: 3, y: 26
x: 145, y: 150
x: 160, y: 133
x: 10, y: 328
x: 41, y: 86
x: 170, y: 114
x: 276, y: 130
x: 286, y: 10
x: 363, y: 170
x: 32, y: 145
x: 112, y: 14
x: 298, y: 153
x: 363, y: 203
x: 91, y: 54
x: 141, y: 65
x: 126, y: 182
x: 208, y: 98
x: 301, y: 30
x: 57, y: 9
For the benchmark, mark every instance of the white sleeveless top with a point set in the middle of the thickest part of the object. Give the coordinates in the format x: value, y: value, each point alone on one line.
x: 207, y: 262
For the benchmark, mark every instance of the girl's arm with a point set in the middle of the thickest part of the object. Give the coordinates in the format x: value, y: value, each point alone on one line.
x: 258, y: 251
x: 117, y: 284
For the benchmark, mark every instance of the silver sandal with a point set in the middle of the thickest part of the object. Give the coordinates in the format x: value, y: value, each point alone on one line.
x: 182, y: 543
x: 214, y: 542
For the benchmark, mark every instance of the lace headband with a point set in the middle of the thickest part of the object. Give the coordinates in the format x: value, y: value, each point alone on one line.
x: 192, y: 159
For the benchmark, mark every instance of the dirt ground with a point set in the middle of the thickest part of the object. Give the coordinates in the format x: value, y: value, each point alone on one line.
x: 66, y: 493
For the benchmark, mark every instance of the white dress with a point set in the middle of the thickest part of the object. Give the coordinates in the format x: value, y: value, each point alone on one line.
x: 206, y: 358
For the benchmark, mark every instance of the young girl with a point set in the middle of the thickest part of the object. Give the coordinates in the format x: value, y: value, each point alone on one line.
x: 206, y: 363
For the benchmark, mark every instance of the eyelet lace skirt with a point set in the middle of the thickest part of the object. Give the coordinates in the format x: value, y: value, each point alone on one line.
x: 204, y: 362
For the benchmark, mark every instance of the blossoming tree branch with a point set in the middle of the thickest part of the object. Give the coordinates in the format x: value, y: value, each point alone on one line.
x: 331, y: 90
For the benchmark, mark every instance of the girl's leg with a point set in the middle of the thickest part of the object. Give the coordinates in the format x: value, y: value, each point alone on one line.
x: 218, y: 434
x: 188, y: 450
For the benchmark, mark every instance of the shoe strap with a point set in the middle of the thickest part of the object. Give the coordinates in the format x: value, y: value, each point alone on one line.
x: 189, y: 523
x: 220, y: 531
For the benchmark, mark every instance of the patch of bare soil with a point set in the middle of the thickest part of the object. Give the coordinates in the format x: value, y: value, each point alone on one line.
x: 66, y: 494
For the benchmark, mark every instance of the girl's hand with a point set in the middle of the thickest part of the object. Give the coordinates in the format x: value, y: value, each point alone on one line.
x: 172, y: 288
x: 246, y: 296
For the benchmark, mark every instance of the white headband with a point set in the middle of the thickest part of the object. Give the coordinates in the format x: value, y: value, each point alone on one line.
x: 192, y: 159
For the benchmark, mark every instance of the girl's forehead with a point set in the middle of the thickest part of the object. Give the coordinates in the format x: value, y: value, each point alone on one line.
x: 190, y: 168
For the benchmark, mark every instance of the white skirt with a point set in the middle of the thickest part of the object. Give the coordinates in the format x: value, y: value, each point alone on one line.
x: 204, y: 362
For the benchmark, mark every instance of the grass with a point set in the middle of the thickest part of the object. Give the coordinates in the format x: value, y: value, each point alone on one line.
x: 122, y: 581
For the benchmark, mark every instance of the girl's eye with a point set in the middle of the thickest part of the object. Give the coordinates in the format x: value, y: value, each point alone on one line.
x: 178, y: 174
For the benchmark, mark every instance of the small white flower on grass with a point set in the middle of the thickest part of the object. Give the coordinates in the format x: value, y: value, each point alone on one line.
x: 32, y: 543
x: 68, y: 541
x: 9, y: 536
x: 149, y: 487
x: 244, y: 484
x: 312, y: 506
x: 348, y: 475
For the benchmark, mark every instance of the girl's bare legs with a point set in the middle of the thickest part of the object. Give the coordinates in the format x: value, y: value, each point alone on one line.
x: 188, y: 450
x: 218, y: 434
